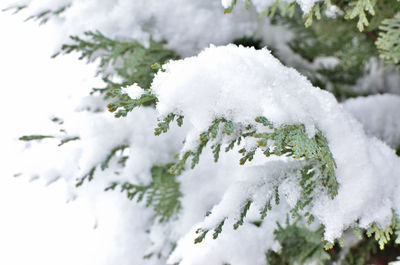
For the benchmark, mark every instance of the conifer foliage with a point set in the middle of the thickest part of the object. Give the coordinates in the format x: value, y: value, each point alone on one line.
x: 248, y: 152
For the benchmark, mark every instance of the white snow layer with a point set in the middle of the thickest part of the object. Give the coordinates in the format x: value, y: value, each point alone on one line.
x: 188, y: 26
x: 242, y: 83
x: 380, y: 116
x: 133, y: 91
x: 232, y: 82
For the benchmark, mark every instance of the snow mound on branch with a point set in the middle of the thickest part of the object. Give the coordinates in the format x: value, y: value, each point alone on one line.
x: 380, y: 115
x: 240, y: 83
x: 187, y: 26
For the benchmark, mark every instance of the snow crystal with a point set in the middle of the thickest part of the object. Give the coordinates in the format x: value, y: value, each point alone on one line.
x: 235, y: 83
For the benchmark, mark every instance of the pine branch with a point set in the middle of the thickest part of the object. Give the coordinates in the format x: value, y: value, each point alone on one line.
x: 388, y: 42
x: 103, y: 165
x: 163, y: 193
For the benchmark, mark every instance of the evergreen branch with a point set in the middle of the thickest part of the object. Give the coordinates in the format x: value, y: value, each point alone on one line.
x: 288, y: 140
x: 202, y: 235
x: 132, y: 61
x: 388, y: 42
x: 380, y: 245
x: 243, y: 214
x: 88, y: 176
x: 69, y: 139
x: 357, y: 8
x: 16, y: 8
x: 34, y: 137
x: 230, y: 8
x: 299, y: 246
x: 44, y: 16
x: 218, y: 126
x: 381, y: 235
x: 292, y: 140
x: 125, y: 104
x: 163, y: 126
x: 163, y: 193
x: 309, y: 17
x: 103, y: 165
x: 335, y: 38
x: 309, y: 183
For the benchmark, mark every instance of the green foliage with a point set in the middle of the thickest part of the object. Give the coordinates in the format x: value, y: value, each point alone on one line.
x: 299, y: 246
x: 203, y: 232
x: 242, y: 215
x: 367, y: 251
x: 357, y: 8
x: 69, y: 139
x: 28, y: 138
x: 334, y: 38
x: 376, y: 242
x: 104, y: 164
x: 131, y: 62
x: 396, y: 228
x: 88, y: 176
x: 388, y: 42
x: 381, y: 235
x: 162, y: 193
x: 125, y: 104
x: 315, y: 11
x: 309, y: 183
x: 352, y: 46
x: 219, y: 126
x: 284, y: 9
x: 64, y: 140
x: 42, y: 17
x: 293, y: 141
x: 230, y: 8
x: 163, y: 126
x: 249, y: 42
x: 288, y: 140
x: 353, y: 8
x: 16, y: 8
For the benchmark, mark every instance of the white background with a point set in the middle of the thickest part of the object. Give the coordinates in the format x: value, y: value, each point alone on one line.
x: 37, y: 226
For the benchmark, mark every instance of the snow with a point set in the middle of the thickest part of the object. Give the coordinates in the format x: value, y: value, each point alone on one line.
x: 305, y: 5
x: 240, y: 84
x: 133, y: 91
x: 214, y: 92
x: 186, y: 25
x: 232, y: 82
x: 380, y: 116
x: 333, y: 11
x: 37, y: 225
